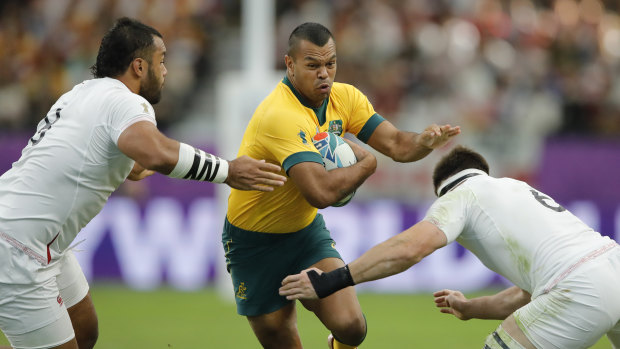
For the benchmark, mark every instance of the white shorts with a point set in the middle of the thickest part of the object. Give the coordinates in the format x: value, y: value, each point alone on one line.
x: 579, y: 310
x: 35, y: 315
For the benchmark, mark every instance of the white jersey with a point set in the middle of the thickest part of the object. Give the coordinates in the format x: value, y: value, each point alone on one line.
x: 69, y: 168
x: 515, y: 230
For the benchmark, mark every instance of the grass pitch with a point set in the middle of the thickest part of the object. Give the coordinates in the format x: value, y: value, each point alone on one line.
x: 187, y: 320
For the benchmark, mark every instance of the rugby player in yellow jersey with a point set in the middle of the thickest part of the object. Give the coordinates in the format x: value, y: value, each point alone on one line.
x: 269, y: 235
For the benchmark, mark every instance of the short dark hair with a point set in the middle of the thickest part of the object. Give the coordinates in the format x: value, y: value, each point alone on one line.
x: 457, y: 160
x: 127, y: 40
x: 316, y: 33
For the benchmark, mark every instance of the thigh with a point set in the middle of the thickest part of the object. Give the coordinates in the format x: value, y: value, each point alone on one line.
x: 34, y: 316
x: 614, y: 336
x: 47, y: 336
x: 577, y: 312
x: 508, y: 334
x: 71, y: 280
x: 258, y: 263
x: 74, y: 292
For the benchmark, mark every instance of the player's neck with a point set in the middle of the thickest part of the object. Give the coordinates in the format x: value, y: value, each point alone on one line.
x: 132, y: 83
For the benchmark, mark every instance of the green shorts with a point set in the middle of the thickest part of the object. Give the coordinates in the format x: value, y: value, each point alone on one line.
x: 258, y: 262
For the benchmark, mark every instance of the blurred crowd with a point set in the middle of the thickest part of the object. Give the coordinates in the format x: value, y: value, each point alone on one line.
x: 510, y: 72
x: 47, y: 46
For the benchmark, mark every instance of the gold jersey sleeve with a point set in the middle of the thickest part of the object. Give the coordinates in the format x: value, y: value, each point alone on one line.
x: 281, y: 132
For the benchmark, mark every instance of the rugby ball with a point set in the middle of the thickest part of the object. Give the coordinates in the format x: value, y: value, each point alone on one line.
x: 336, y: 153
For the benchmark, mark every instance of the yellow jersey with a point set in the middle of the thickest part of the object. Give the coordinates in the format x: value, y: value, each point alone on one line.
x: 281, y: 132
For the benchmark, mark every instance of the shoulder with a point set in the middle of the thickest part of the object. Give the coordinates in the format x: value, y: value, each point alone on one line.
x: 121, y: 99
x: 280, y: 106
x: 341, y: 86
x: 345, y: 90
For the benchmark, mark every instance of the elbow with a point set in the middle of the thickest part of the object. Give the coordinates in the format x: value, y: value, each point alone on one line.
x: 411, y: 257
x: 405, y: 258
x: 322, y: 199
x: 398, y: 155
x: 404, y: 157
x: 158, y: 166
x: 161, y: 157
x: 319, y: 201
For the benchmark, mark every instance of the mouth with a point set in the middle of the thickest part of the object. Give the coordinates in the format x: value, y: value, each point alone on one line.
x: 324, y: 88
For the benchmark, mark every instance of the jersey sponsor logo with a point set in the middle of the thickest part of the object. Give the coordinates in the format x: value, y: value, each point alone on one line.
x: 302, y: 135
x: 241, y: 291
x: 59, y: 300
x: 335, y: 126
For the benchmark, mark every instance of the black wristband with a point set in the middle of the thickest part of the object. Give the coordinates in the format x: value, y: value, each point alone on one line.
x: 328, y: 283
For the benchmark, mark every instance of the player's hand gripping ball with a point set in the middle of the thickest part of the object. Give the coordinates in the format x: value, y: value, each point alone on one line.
x: 336, y: 153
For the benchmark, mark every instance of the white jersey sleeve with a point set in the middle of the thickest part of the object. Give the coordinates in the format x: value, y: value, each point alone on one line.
x: 126, y: 110
x: 449, y: 213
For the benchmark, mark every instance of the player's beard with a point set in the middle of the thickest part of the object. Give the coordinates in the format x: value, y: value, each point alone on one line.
x: 150, y: 88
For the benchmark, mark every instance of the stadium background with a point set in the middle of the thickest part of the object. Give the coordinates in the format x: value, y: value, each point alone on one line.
x: 534, y: 85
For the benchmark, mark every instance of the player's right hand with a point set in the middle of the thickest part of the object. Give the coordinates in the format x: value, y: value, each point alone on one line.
x: 246, y: 173
x: 452, y: 302
x: 360, y: 152
x: 299, y: 286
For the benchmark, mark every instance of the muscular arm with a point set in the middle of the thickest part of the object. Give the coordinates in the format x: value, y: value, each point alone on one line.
x: 404, y: 146
x: 390, y: 257
x: 398, y: 253
x: 153, y: 151
x: 496, y: 307
x: 150, y: 148
x: 323, y: 188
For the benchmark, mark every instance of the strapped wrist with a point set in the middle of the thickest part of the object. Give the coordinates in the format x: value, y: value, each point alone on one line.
x: 330, y: 282
x: 195, y: 164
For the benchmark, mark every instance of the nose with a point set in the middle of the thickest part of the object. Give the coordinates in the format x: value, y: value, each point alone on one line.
x: 165, y: 71
x: 322, y: 73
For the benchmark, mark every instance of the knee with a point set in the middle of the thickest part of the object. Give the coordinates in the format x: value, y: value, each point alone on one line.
x: 351, y: 331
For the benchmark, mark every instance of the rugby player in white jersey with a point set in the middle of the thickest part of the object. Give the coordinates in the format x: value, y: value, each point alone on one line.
x: 566, y: 275
x: 93, y: 138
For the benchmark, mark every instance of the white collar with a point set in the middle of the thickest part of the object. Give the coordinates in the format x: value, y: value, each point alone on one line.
x: 468, y: 172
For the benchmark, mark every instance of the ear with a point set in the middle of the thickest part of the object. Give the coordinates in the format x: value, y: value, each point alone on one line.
x: 288, y: 61
x: 139, y: 66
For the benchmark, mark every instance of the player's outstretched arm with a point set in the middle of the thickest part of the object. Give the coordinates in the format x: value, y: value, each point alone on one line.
x: 496, y: 307
x: 404, y: 146
x: 154, y: 151
x: 390, y: 257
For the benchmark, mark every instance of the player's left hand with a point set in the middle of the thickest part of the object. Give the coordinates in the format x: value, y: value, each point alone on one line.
x: 452, y: 302
x: 138, y: 172
x: 435, y: 136
x: 298, y: 286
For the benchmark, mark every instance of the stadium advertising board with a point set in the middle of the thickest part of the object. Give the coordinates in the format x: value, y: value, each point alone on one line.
x: 163, y: 231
